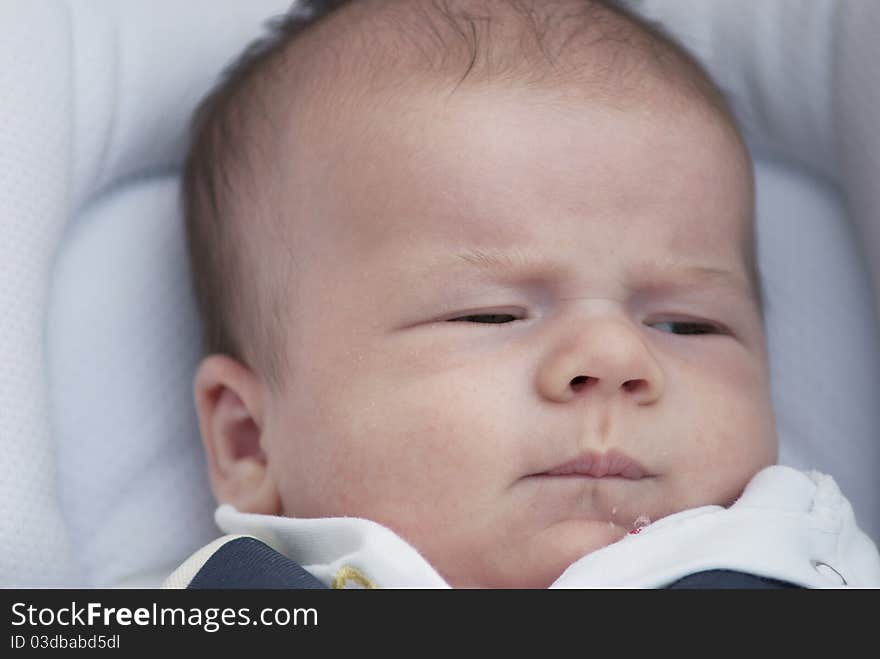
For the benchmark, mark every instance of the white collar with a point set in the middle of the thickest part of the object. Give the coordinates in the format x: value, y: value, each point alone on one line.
x: 341, y: 552
x: 787, y: 525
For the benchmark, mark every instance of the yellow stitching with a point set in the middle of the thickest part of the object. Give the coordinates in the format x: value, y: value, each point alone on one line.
x: 347, y: 573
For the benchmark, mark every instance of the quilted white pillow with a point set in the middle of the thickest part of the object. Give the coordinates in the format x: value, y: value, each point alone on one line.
x: 102, y: 481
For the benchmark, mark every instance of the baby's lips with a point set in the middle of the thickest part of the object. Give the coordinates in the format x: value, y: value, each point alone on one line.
x: 600, y: 465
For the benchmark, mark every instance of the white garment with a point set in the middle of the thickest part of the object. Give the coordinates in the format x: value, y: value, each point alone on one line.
x: 787, y: 525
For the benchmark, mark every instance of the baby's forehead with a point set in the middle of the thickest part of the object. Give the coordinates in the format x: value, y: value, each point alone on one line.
x: 474, y: 193
x: 356, y: 73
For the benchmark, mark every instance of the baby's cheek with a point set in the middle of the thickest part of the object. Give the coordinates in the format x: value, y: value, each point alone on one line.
x: 744, y: 444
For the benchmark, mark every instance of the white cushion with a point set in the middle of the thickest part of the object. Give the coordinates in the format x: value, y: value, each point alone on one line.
x: 823, y: 337
x: 103, y: 482
x: 95, y: 94
x: 123, y: 344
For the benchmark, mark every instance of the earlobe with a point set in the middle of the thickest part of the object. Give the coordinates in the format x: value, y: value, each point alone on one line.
x: 230, y: 402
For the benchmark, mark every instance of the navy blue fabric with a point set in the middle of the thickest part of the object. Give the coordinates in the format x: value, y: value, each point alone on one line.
x: 728, y: 579
x: 249, y: 563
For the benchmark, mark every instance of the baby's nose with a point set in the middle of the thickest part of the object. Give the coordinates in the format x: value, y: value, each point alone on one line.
x: 601, y: 358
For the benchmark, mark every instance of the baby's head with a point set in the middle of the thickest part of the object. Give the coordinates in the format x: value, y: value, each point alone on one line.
x: 480, y: 271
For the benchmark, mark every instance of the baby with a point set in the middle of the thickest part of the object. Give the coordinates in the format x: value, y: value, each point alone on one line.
x: 480, y: 272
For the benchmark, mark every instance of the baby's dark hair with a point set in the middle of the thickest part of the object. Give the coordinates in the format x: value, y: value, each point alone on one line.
x: 586, y: 48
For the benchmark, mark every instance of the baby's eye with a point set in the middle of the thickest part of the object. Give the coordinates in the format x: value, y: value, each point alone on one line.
x: 687, y: 327
x: 489, y: 318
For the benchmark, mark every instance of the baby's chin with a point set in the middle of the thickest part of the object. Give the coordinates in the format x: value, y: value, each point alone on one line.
x: 537, y: 561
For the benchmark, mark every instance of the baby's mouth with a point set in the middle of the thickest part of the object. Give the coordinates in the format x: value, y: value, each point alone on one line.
x: 592, y: 464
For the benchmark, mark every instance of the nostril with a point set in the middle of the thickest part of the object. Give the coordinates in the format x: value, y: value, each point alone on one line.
x: 580, y: 382
x: 633, y: 385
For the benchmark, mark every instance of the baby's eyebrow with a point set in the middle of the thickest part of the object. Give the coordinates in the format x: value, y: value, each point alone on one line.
x: 660, y: 276
x: 680, y: 276
x: 501, y: 259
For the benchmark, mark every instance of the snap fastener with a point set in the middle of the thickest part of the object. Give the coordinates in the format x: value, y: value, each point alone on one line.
x: 829, y: 572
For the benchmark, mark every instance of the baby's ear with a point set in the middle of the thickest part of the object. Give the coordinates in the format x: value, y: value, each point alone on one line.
x: 230, y: 402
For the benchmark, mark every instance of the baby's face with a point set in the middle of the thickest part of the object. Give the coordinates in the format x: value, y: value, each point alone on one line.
x: 517, y: 326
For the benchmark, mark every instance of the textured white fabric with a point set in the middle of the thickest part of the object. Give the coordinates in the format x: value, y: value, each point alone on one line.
x: 101, y: 481
x: 94, y: 93
x: 785, y: 525
x: 123, y: 342
x: 824, y: 342
x: 34, y: 197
